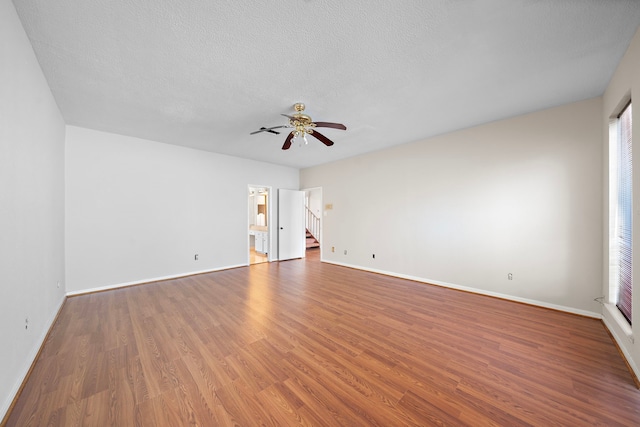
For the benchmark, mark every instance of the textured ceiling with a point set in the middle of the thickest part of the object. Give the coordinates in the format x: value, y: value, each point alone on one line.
x: 205, y: 73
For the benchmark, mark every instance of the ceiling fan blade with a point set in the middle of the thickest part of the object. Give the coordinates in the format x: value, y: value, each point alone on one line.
x: 264, y: 129
x: 330, y: 125
x: 326, y: 141
x: 287, y: 142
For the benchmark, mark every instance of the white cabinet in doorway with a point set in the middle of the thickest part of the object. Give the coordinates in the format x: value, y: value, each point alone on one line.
x: 262, y: 245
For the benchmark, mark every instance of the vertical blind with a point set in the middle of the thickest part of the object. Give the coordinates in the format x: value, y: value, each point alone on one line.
x: 624, y: 214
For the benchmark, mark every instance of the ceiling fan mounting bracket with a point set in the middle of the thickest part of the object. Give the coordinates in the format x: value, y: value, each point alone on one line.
x: 299, y: 118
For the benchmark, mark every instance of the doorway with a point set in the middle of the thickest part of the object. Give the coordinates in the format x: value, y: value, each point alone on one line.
x: 313, y: 218
x: 259, y: 221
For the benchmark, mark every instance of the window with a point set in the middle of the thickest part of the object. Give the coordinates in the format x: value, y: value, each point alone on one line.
x: 621, y: 212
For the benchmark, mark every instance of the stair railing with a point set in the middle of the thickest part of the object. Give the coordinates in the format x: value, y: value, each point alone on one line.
x: 312, y: 222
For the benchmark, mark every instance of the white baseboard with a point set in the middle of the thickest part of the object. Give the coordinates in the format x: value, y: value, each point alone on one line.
x: 149, y: 280
x: 29, y: 360
x: 474, y: 290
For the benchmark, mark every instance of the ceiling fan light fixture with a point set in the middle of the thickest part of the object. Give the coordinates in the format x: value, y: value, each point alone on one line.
x: 300, y: 136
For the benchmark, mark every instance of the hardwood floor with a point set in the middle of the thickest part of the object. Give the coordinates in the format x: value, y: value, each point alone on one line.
x: 257, y: 257
x: 306, y: 343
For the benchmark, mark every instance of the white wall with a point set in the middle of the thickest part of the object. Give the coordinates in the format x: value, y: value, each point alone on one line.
x: 31, y: 205
x: 138, y: 210
x: 520, y: 196
x: 624, y: 83
x: 314, y: 196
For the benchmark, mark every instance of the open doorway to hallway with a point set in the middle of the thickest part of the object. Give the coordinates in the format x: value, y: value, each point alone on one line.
x: 313, y: 218
x: 259, y: 213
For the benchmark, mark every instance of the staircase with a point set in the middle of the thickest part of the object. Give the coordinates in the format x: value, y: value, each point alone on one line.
x: 312, y: 242
x: 312, y: 224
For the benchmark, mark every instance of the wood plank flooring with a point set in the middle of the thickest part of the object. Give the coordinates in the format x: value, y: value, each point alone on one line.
x: 311, y: 344
x: 257, y: 257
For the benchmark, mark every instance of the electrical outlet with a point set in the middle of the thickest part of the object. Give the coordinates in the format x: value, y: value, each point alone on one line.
x: 26, y: 323
x: 333, y: 248
x: 196, y: 257
x: 374, y: 256
x: 345, y: 251
x: 510, y: 276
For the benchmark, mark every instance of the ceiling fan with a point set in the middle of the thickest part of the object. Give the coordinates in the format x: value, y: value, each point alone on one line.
x: 302, y: 126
